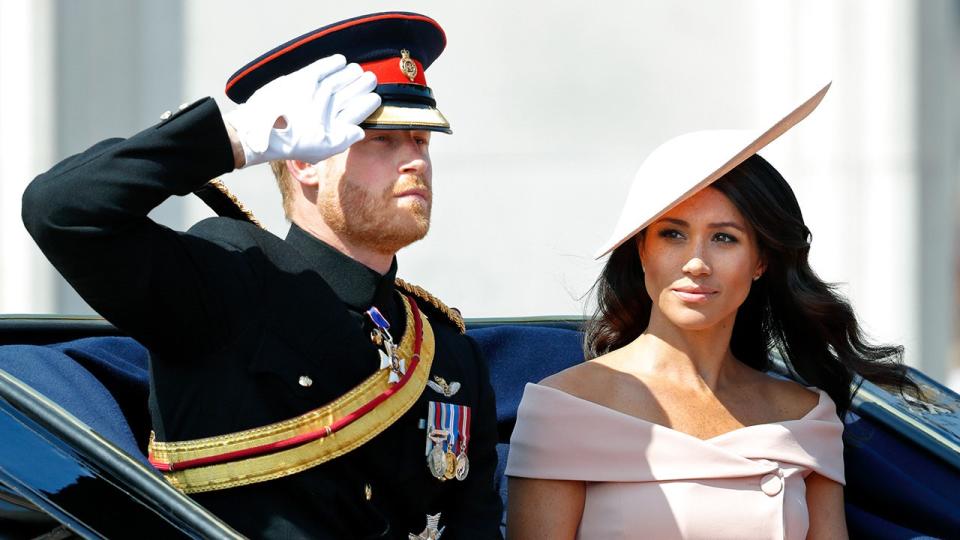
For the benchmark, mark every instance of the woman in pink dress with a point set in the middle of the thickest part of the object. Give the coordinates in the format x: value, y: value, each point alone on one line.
x: 675, y: 428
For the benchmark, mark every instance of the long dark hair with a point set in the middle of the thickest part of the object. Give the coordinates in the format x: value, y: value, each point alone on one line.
x: 789, y: 310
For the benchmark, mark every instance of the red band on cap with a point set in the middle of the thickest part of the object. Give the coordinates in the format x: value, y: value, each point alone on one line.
x: 388, y: 71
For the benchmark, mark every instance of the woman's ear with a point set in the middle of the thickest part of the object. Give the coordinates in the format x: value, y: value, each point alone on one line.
x: 761, y: 268
x: 638, y: 241
x: 304, y: 173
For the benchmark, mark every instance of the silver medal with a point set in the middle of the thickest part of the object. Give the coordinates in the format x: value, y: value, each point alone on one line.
x: 463, y: 466
x: 436, y: 462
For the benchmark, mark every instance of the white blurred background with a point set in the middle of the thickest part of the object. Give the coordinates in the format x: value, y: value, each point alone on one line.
x: 553, y: 105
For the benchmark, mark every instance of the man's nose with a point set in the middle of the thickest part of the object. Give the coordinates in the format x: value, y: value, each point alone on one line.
x: 415, y: 165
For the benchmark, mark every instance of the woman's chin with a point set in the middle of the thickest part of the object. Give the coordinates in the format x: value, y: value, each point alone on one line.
x: 691, y: 319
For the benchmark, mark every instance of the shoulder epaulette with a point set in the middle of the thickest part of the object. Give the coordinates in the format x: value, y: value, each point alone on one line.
x: 224, y: 203
x: 452, y: 314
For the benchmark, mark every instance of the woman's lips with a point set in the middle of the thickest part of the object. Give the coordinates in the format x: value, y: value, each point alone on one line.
x: 694, y: 295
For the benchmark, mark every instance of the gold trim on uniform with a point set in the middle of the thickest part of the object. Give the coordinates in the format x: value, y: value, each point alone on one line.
x: 286, y: 462
x: 450, y: 313
x: 391, y: 115
x: 222, y: 188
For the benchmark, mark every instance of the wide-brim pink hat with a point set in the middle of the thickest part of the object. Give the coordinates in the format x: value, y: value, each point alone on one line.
x: 685, y: 164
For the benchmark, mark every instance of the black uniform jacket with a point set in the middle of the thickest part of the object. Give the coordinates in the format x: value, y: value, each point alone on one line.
x: 234, y: 316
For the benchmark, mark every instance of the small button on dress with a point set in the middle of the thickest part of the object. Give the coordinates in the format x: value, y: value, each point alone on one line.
x: 771, y: 484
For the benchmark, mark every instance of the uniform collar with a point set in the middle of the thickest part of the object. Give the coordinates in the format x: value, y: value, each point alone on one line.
x: 357, y: 285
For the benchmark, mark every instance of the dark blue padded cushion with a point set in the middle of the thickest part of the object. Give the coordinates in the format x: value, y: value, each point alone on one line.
x: 517, y: 355
x: 895, y: 489
x: 76, y: 376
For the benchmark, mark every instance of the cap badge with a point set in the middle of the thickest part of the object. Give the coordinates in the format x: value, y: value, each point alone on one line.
x: 407, y: 65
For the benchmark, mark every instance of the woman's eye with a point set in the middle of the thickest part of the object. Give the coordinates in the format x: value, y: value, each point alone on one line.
x: 725, y: 238
x: 670, y: 233
x: 422, y: 142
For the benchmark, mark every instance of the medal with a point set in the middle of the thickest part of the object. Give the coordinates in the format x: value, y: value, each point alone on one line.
x: 437, y: 463
x: 463, y: 463
x: 380, y: 336
x: 463, y: 466
x: 450, y: 465
x: 448, y: 434
x: 378, y: 319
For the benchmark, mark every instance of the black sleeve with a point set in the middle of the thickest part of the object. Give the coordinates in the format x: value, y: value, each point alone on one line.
x: 477, y: 509
x: 88, y: 214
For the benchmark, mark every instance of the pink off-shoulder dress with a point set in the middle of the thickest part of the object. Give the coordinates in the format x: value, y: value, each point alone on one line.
x: 649, y: 481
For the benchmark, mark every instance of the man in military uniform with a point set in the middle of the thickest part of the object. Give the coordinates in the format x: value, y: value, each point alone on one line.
x: 298, y: 388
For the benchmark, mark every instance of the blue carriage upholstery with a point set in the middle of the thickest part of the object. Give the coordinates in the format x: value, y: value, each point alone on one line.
x: 895, y: 489
x: 103, y: 381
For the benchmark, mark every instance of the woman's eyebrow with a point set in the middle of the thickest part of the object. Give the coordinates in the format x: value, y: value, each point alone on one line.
x: 718, y: 225
x: 723, y: 224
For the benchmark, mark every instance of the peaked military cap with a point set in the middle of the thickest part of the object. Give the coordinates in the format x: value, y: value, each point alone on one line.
x: 396, y: 46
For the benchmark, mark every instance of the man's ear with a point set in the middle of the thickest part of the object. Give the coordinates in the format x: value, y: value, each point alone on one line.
x: 304, y: 173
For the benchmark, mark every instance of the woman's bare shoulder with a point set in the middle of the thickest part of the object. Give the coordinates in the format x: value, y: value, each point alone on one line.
x: 790, y: 399
x: 587, y: 380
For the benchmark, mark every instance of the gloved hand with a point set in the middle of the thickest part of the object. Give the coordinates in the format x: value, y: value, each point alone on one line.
x: 308, y: 115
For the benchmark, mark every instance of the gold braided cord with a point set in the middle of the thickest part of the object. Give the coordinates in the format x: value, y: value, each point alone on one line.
x: 451, y: 313
x: 222, y: 188
x: 282, y: 463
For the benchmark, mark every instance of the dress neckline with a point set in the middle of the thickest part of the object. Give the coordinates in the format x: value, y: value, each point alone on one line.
x: 654, y: 425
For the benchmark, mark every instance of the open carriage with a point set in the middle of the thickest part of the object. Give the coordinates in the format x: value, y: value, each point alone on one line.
x: 74, y: 427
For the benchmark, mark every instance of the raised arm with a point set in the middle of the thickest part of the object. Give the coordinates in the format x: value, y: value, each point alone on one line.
x: 89, y: 216
x: 171, y: 290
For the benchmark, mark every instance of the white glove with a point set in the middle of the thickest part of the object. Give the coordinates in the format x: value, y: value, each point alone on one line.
x: 319, y: 108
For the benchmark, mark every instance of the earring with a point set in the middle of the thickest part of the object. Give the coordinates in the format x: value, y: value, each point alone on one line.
x: 756, y: 277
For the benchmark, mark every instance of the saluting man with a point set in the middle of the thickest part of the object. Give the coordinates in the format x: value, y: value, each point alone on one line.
x: 298, y: 388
